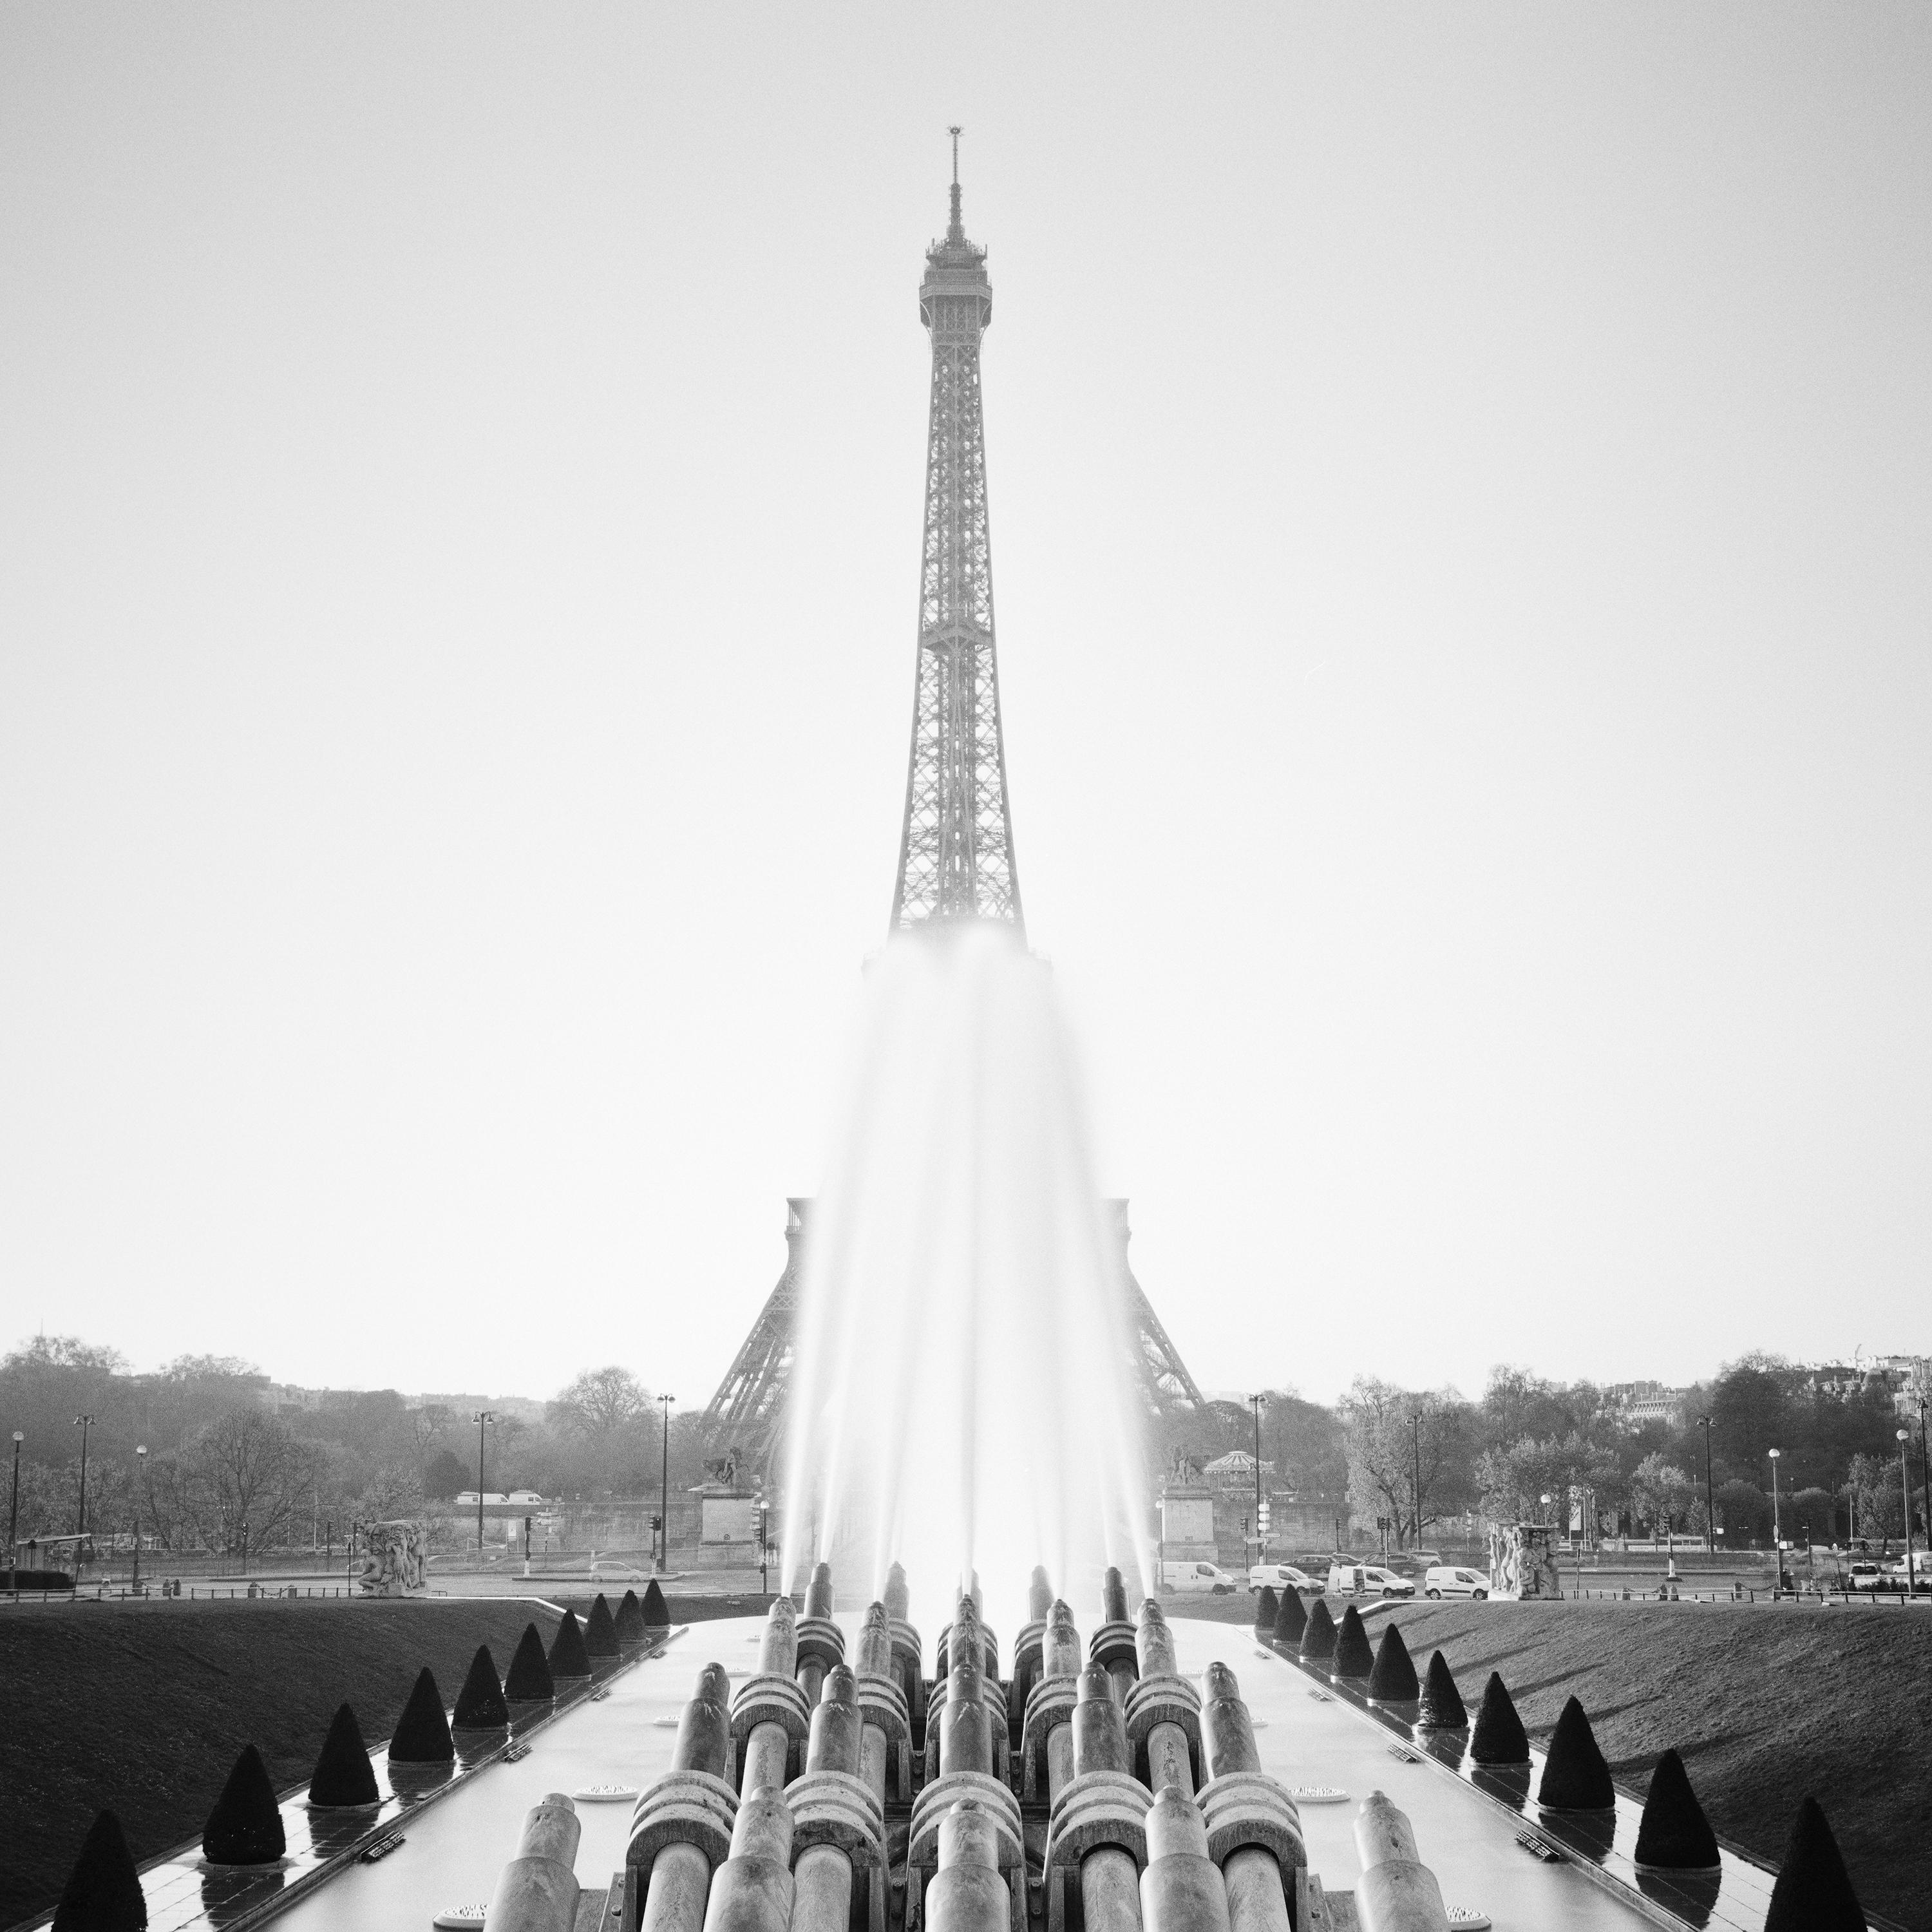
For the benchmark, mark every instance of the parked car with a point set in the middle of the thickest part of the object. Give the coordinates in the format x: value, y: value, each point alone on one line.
x: 1282, y: 1576
x: 1867, y: 1576
x: 1190, y: 1578
x: 1449, y: 1579
x: 1367, y: 1580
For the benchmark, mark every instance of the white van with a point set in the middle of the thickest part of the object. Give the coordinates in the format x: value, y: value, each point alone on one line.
x: 1195, y: 1577
x: 1279, y: 1577
x: 1450, y: 1580
x: 1367, y: 1580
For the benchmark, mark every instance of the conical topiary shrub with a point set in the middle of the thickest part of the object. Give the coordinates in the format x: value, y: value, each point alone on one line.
x: 479, y: 1704
x: 600, y: 1633
x: 1291, y: 1621
x: 1392, y: 1680
x: 422, y: 1731
x: 103, y: 1893
x: 1353, y: 1657
x: 630, y: 1621
x: 1499, y: 1737
x: 568, y: 1656
x: 245, y: 1827
x: 1814, y: 1892
x: 1318, y: 1640
x: 1575, y: 1777
x: 1674, y: 1835
x: 343, y: 1773
x: 1441, y: 1702
x: 1267, y: 1607
x: 657, y: 1611
x: 529, y: 1681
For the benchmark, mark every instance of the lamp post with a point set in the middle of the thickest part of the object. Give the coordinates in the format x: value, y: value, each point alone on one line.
x: 83, y: 1424
x: 1415, y: 1434
x: 140, y: 1469
x: 664, y: 1491
x: 482, y: 1418
x: 14, y: 1515
x: 1776, y: 1534
x: 1905, y: 1485
x: 1710, y: 1502
x: 1257, y: 1403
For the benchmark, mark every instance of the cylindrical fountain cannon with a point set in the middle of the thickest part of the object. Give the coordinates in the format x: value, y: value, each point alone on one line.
x: 967, y: 1894
x: 1028, y: 1645
x: 1046, y: 1741
x: 770, y: 1717
x: 681, y: 1830
x: 1254, y: 1830
x: 1097, y: 1833
x: 961, y: 1740
x: 1181, y: 1889
x: 1112, y: 1646
x: 839, y: 1827
x: 969, y: 1656
x: 753, y: 1890
x: 968, y: 1601
x: 885, y: 1746
x: 908, y: 1652
x: 821, y: 1643
x: 1163, y: 1710
x: 536, y: 1892
x: 1397, y: 1892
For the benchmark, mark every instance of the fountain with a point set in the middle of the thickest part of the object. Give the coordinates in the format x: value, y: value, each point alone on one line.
x: 963, y: 1395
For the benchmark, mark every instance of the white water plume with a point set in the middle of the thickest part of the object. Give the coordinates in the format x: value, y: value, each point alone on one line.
x: 963, y: 1398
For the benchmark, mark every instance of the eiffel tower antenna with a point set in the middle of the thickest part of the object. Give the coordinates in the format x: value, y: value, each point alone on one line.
x: 956, y: 844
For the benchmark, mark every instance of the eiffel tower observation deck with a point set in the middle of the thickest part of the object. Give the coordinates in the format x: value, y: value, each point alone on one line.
x: 956, y: 859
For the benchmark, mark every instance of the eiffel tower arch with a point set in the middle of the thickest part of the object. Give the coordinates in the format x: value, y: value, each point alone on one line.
x: 956, y: 841
x: 747, y: 1413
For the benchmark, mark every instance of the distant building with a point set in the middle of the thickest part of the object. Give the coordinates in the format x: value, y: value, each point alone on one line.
x: 1639, y: 1403
x: 524, y: 1408
x: 279, y: 1397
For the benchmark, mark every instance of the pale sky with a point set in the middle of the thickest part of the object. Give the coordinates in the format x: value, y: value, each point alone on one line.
x: 1460, y: 489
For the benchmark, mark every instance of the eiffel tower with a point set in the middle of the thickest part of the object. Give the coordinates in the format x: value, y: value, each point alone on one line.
x: 956, y: 847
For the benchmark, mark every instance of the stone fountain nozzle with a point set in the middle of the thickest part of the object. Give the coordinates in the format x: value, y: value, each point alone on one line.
x: 1040, y: 1595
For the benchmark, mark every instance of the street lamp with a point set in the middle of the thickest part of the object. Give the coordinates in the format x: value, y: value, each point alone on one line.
x: 664, y: 1491
x: 14, y: 1516
x: 140, y: 1467
x: 1710, y: 1503
x: 83, y: 1424
x: 1905, y: 1485
x: 1777, y: 1536
x: 1257, y: 1403
x: 483, y: 1418
x: 1415, y: 1445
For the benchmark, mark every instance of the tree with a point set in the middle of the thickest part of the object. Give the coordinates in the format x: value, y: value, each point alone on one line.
x: 1662, y: 1495
x: 1810, y: 1515
x: 599, y: 1402
x: 444, y: 1475
x: 1744, y: 1513
x: 248, y: 1470
x: 1386, y: 1431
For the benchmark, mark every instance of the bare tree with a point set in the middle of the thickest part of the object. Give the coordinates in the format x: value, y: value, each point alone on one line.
x: 600, y: 1402
x: 249, y: 1471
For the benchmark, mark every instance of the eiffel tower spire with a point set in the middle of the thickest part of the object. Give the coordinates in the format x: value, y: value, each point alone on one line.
x: 956, y: 847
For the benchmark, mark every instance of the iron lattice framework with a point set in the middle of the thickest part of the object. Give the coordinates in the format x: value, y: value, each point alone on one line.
x: 748, y: 1412
x: 956, y: 850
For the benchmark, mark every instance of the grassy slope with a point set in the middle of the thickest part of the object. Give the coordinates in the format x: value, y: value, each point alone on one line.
x: 1764, y: 1702
x: 141, y: 1708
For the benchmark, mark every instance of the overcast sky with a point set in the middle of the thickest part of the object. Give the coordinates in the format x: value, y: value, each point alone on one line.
x: 1459, y: 485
